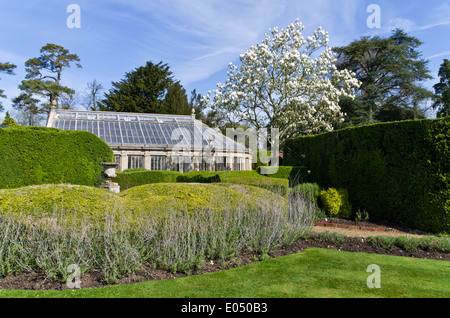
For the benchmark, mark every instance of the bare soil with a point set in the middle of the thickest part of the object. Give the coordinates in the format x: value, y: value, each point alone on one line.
x: 355, y: 241
x: 365, y: 228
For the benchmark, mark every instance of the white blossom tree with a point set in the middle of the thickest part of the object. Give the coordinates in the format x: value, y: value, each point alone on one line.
x: 287, y: 82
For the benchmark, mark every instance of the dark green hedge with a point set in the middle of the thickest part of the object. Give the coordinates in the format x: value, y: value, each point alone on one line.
x: 217, y: 176
x: 39, y: 155
x: 397, y: 171
x: 199, y: 176
x: 134, y: 178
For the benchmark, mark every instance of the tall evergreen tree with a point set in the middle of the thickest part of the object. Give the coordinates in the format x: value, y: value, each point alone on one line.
x: 27, y: 105
x: 176, y: 101
x: 442, y: 90
x: 44, y: 73
x: 391, y: 71
x: 141, y: 91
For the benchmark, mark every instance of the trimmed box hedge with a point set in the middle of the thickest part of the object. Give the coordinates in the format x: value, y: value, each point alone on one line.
x: 253, y: 178
x: 39, y: 155
x: 397, y: 171
x: 134, y: 178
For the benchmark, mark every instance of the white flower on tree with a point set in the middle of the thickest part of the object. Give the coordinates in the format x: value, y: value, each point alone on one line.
x: 285, y: 82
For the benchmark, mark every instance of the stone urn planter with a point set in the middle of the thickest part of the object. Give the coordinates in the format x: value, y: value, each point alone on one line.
x: 109, y: 172
x: 109, y: 169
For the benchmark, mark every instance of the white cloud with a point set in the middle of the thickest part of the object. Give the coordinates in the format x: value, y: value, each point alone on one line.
x: 400, y: 23
x: 410, y: 26
x: 433, y: 25
x: 439, y: 55
x: 431, y: 17
x: 199, y: 38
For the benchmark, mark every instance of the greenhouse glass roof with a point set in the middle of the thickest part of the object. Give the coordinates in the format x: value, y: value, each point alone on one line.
x: 143, y: 130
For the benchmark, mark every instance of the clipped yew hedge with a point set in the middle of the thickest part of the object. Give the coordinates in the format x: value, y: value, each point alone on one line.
x: 39, y: 155
x: 397, y: 171
x: 134, y: 178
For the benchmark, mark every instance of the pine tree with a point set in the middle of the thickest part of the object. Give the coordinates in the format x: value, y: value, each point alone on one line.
x: 391, y: 71
x: 44, y: 73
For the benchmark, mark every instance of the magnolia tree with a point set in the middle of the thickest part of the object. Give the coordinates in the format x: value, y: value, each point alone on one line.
x: 287, y: 82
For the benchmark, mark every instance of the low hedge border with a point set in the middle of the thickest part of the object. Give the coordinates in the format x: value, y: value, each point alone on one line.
x: 135, y: 178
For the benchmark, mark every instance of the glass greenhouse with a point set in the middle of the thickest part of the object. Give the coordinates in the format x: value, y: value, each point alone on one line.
x: 157, y: 141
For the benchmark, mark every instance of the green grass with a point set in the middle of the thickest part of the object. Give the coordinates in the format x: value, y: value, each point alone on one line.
x: 313, y: 273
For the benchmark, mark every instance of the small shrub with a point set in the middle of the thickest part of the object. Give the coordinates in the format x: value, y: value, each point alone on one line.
x: 413, y: 243
x: 335, y: 203
x: 383, y: 241
x: 330, y: 237
x: 408, y: 244
x: 443, y: 245
x: 8, y: 121
x: 361, y: 215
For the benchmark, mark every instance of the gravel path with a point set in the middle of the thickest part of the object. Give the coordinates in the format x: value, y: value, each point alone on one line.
x: 364, y: 233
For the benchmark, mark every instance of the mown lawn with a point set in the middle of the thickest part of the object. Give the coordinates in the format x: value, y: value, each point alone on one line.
x: 313, y: 273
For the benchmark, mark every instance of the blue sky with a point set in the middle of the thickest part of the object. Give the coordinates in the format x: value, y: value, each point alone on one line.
x: 196, y: 38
